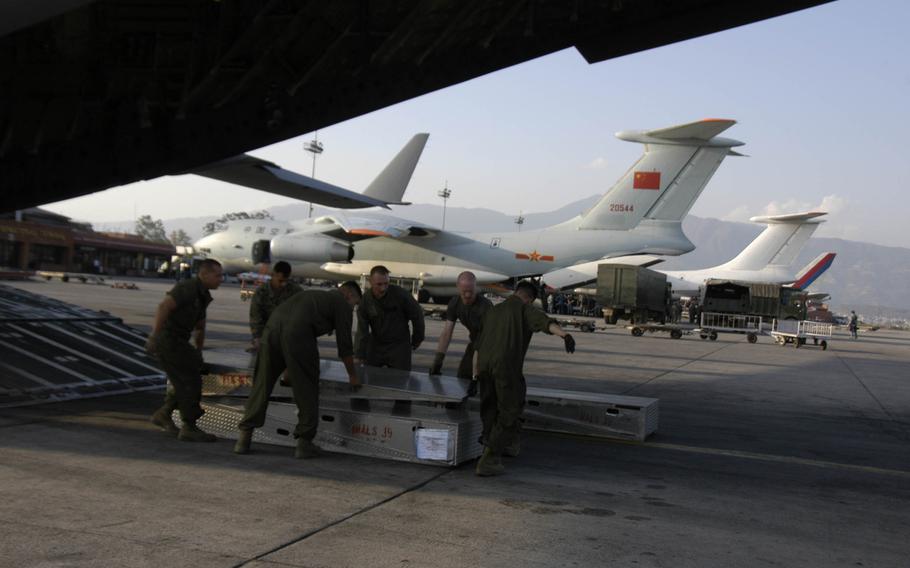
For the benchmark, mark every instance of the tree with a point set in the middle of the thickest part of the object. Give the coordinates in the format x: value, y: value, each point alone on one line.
x: 151, y: 229
x: 180, y: 238
x: 221, y: 223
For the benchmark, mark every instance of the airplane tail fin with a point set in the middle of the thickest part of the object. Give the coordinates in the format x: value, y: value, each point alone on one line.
x: 813, y: 270
x: 392, y: 181
x: 665, y: 182
x: 780, y: 243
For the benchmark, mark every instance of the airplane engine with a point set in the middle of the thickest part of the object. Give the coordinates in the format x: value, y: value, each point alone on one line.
x: 305, y: 247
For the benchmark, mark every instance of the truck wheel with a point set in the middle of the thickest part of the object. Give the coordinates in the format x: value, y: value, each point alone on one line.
x: 637, y: 331
x: 752, y: 338
x: 713, y: 336
x: 675, y: 334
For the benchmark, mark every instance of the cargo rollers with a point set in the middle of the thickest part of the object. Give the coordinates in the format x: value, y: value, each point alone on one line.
x: 408, y: 416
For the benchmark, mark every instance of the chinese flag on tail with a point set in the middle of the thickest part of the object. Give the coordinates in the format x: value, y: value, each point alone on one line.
x: 646, y: 180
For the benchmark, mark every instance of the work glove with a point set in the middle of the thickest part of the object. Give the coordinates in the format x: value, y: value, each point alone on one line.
x: 570, y: 343
x: 472, y: 388
x: 436, y: 367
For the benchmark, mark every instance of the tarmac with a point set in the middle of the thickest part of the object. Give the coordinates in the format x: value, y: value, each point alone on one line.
x: 766, y: 456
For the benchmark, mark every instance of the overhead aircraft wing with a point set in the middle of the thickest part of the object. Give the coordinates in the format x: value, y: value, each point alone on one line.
x: 642, y: 260
x: 387, y: 189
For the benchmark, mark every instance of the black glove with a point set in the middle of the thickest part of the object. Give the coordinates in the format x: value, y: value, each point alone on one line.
x: 570, y: 343
x: 472, y: 388
x: 436, y: 367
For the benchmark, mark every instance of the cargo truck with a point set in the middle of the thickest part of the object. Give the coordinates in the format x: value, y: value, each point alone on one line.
x: 632, y: 292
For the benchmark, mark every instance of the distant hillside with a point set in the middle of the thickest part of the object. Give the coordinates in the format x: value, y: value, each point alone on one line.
x: 862, y: 274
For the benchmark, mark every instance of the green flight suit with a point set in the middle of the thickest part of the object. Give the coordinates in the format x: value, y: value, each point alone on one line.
x: 181, y: 361
x: 289, y: 344
x: 470, y: 316
x: 505, y: 335
x: 264, y: 302
x: 383, y: 338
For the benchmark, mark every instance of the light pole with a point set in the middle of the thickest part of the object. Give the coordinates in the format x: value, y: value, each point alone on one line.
x: 520, y: 220
x: 314, y: 147
x: 445, y: 193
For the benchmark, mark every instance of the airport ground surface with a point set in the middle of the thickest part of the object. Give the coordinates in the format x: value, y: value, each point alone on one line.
x: 766, y: 456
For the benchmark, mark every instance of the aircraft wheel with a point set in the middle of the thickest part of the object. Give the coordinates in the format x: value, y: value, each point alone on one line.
x: 713, y: 336
x: 752, y: 338
x: 637, y: 331
x: 824, y: 345
x: 675, y: 334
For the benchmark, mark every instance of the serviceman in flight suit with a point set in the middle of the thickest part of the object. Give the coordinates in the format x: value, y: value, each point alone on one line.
x: 268, y: 296
x: 469, y: 308
x: 504, y: 338
x: 383, y: 338
x: 289, y: 344
x: 180, y: 314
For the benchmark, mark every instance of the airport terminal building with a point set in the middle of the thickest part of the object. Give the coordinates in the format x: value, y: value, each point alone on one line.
x: 35, y: 239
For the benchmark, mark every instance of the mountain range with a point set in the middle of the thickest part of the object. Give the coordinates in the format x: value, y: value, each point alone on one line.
x: 863, y: 274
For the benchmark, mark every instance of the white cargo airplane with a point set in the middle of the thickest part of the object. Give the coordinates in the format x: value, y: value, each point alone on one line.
x: 769, y: 258
x: 640, y: 214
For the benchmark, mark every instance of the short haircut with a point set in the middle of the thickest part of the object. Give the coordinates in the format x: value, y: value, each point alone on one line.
x: 208, y: 265
x: 466, y: 275
x: 379, y: 269
x: 353, y: 287
x: 528, y: 288
x: 282, y: 267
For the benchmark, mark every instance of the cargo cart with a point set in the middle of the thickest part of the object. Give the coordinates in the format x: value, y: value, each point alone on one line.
x: 713, y: 323
x: 798, y: 332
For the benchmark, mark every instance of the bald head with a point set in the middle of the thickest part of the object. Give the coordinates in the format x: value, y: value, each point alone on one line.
x: 467, y: 287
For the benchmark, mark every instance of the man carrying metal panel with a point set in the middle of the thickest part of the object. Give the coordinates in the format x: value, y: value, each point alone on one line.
x: 289, y: 346
x: 469, y: 308
x: 269, y: 296
x: 180, y: 315
x: 383, y: 338
x: 504, y: 338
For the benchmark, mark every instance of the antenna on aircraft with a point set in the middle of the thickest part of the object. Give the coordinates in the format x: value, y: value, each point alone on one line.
x: 520, y: 220
x: 314, y: 147
x: 445, y: 193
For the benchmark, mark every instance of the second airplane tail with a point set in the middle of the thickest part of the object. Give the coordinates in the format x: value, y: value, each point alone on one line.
x: 779, y: 244
x: 665, y: 182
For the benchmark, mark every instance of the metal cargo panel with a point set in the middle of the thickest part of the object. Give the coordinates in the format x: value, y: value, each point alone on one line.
x: 229, y: 373
x: 591, y: 414
x: 431, y: 435
x: 52, y: 351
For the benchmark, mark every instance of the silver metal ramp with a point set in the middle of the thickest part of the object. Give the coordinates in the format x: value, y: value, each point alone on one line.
x: 390, y: 414
x: 52, y: 351
x: 591, y: 414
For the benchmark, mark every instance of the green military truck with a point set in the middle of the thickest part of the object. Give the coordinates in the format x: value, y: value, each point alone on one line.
x: 632, y: 292
x: 770, y: 301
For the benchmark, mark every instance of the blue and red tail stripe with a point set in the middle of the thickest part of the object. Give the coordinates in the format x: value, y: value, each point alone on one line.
x: 811, y: 275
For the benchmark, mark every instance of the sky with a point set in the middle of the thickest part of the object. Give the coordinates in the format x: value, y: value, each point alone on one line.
x: 821, y: 97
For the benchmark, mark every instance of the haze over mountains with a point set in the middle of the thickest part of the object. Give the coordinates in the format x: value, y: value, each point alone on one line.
x: 862, y: 274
